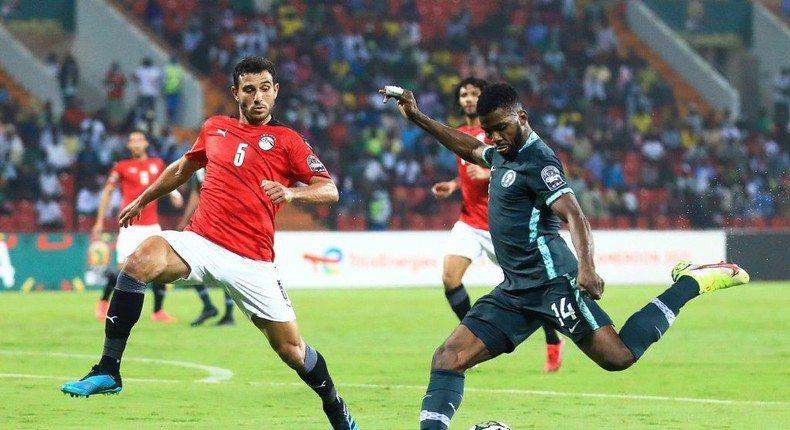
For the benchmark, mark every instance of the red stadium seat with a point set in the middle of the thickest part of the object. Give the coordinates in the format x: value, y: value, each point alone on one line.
x: 85, y: 222
x: 661, y: 222
x: 622, y: 222
x: 348, y: 222
x: 6, y: 223
x: 642, y: 223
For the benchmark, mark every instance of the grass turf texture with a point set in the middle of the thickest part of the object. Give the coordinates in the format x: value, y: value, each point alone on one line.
x: 723, y: 365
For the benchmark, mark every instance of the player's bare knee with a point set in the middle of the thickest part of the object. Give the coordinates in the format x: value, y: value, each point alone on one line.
x: 290, y: 354
x: 448, y: 357
x: 618, y: 362
x: 145, y: 263
x: 450, y: 281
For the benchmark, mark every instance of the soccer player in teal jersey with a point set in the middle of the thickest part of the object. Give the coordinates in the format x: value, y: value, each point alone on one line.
x: 544, y: 281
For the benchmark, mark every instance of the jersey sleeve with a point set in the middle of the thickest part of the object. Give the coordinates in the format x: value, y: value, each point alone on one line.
x: 304, y: 163
x: 488, y: 156
x: 114, y: 177
x: 546, y: 177
x: 198, y: 151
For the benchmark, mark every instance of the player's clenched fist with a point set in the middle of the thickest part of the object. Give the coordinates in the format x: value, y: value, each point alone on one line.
x: 477, y: 173
x: 276, y: 191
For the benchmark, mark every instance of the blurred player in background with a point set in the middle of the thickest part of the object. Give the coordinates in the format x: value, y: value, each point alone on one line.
x: 209, y: 310
x: 252, y: 166
x: 470, y: 238
x: 544, y: 282
x: 133, y: 175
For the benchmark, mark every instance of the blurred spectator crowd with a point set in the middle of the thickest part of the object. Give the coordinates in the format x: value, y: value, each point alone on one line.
x: 632, y: 158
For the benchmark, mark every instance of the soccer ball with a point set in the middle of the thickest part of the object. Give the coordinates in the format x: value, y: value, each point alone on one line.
x: 491, y: 425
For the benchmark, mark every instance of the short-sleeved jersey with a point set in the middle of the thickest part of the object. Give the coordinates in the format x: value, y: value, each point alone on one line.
x: 474, y: 210
x: 133, y: 177
x: 523, y: 228
x: 234, y: 212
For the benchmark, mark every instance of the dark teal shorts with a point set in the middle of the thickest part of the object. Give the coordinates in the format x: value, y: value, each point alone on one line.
x: 503, y: 319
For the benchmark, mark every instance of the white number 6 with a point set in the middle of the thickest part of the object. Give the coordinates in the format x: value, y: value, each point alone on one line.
x: 239, y: 158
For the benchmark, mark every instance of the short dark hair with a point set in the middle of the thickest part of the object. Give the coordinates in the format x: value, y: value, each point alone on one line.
x: 253, y: 64
x: 141, y: 131
x: 471, y: 80
x: 497, y: 96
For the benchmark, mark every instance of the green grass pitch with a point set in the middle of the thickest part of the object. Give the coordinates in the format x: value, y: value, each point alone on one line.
x: 724, y: 365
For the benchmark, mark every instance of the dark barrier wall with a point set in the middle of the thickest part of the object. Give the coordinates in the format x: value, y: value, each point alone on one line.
x: 766, y: 255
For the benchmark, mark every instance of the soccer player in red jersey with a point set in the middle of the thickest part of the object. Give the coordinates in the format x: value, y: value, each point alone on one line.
x: 133, y: 176
x: 470, y: 238
x: 252, y: 164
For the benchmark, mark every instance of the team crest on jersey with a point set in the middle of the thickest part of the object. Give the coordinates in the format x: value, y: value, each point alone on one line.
x: 508, y: 178
x: 315, y: 164
x: 266, y: 142
x: 552, y: 178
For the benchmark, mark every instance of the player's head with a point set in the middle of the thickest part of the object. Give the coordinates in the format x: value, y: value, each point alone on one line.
x: 466, y: 94
x: 503, y: 119
x: 137, y: 143
x: 255, y: 87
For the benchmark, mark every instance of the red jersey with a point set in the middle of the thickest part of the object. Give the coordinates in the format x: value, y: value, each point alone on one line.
x: 234, y: 212
x: 134, y: 176
x: 474, y: 210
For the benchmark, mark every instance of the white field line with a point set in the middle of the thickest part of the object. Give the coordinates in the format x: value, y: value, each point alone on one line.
x: 218, y: 374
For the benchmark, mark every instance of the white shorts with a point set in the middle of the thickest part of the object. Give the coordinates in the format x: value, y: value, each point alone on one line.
x: 254, y: 285
x: 129, y: 238
x: 470, y: 242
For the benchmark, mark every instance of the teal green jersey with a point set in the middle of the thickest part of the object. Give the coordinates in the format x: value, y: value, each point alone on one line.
x: 524, y: 230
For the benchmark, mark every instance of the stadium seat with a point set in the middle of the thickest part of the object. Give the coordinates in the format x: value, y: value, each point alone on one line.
x: 779, y: 222
x: 85, y: 222
x: 622, y: 222
x: 68, y: 215
x: 642, y: 223
x: 6, y: 223
x: 349, y: 222
x: 661, y: 222
x: 681, y: 222
x: 605, y: 223
x: 67, y: 185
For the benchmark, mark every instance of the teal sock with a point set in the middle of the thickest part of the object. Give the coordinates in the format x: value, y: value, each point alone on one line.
x: 649, y: 324
x: 442, y: 399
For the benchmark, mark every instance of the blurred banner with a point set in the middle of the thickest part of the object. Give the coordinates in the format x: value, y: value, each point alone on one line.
x: 31, y: 262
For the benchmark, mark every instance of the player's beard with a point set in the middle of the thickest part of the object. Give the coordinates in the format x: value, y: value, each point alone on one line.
x: 255, y: 117
x: 518, y: 143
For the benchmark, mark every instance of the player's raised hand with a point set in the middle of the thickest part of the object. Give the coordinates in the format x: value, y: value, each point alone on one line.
x: 276, y: 191
x: 405, y: 98
x: 130, y: 213
x: 589, y: 282
x: 477, y: 173
x: 442, y: 190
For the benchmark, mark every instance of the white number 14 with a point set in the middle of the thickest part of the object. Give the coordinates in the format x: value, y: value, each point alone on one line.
x: 565, y: 311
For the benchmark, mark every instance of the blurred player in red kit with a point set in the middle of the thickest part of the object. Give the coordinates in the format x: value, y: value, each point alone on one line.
x: 133, y: 176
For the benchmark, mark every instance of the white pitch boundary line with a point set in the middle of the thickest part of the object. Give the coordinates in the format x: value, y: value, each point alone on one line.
x: 553, y: 393
x: 215, y: 374
x: 218, y: 374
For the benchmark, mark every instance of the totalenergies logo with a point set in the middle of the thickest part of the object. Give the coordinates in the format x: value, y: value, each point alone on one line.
x: 327, y: 263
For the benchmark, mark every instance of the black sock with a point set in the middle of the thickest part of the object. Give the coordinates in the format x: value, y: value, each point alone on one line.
x: 649, y: 324
x: 159, y: 295
x: 459, y: 300
x: 316, y: 375
x: 229, y: 305
x: 112, y: 279
x: 552, y: 338
x: 441, y: 400
x: 125, y: 308
x: 202, y: 291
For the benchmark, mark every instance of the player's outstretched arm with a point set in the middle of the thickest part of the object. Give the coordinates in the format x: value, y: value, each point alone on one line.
x: 568, y: 209
x: 319, y: 191
x: 466, y: 146
x: 101, y: 211
x: 175, y: 175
